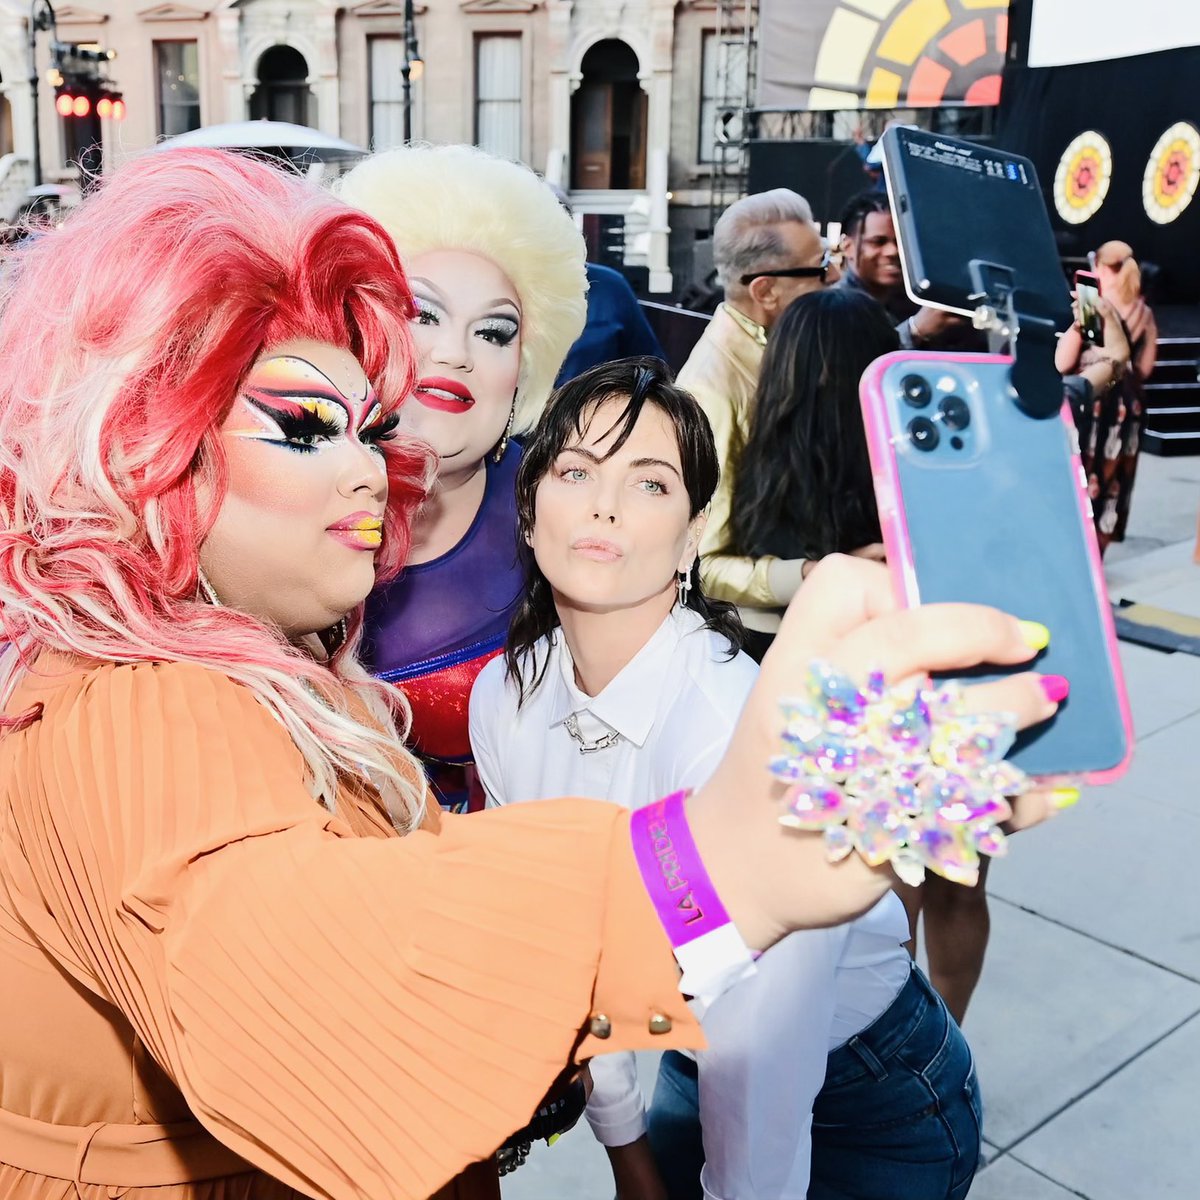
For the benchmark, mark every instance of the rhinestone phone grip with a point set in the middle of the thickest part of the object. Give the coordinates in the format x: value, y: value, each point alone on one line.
x: 900, y: 774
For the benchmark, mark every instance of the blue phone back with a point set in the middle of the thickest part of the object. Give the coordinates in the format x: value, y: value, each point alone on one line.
x: 994, y: 517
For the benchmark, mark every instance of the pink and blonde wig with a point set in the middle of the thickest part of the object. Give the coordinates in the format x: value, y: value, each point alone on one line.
x: 124, y: 338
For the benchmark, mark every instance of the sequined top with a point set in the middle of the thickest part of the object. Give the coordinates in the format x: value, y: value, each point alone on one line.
x: 432, y: 630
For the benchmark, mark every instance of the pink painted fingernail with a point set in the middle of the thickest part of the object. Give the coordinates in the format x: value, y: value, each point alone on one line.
x: 1056, y: 687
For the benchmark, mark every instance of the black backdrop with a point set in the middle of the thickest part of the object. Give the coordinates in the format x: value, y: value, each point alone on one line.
x: 826, y: 173
x: 1132, y: 102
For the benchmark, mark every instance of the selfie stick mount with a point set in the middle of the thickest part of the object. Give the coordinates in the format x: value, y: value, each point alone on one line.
x: 1018, y: 324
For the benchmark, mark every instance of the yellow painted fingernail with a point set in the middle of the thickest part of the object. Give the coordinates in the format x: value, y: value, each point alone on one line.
x: 1036, y: 635
x: 1064, y: 797
x: 553, y: 1138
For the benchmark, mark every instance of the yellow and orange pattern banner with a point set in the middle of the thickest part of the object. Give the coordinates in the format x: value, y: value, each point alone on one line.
x: 825, y: 54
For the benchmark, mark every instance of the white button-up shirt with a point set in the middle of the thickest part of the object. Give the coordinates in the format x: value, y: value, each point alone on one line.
x: 675, y: 705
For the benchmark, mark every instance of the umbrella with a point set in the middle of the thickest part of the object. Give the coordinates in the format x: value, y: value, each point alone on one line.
x: 296, y: 143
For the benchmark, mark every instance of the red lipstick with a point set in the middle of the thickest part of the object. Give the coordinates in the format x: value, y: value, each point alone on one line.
x: 444, y: 395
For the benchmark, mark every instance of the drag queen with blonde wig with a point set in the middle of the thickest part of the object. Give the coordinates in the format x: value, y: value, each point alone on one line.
x: 497, y: 270
x: 225, y: 975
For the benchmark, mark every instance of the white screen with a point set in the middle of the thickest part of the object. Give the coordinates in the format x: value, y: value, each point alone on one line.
x: 1078, y: 31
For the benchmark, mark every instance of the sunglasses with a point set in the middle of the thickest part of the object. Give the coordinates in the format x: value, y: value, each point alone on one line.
x: 829, y: 259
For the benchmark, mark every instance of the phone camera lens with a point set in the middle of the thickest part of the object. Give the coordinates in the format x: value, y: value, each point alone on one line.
x: 924, y: 433
x: 955, y: 412
x: 916, y: 390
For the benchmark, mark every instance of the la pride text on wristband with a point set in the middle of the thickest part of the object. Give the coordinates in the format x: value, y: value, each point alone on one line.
x: 706, y: 943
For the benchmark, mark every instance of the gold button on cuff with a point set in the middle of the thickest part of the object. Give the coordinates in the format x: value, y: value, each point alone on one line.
x: 600, y: 1026
x: 660, y: 1023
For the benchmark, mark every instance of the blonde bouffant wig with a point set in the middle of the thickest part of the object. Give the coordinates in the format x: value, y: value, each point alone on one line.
x: 460, y: 198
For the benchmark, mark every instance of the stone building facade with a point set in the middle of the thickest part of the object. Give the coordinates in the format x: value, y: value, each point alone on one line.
x: 609, y: 98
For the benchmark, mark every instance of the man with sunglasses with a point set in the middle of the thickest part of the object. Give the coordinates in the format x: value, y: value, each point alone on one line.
x: 767, y: 251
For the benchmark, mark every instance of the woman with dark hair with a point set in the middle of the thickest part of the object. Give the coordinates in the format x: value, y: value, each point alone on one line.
x: 619, y: 674
x: 628, y: 385
x: 620, y: 681
x: 804, y: 487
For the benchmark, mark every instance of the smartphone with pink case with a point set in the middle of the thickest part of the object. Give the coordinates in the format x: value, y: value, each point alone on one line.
x: 980, y: 502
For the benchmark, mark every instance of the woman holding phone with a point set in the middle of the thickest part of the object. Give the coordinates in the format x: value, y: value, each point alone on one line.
x: 1111, y: 425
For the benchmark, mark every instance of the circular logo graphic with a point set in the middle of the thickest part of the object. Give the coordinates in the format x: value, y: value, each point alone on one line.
x: 1082, y: 179
x: 1172, y: 173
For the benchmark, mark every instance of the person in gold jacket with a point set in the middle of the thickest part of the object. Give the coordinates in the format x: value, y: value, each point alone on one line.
x: 243, y: 957
x: 767, y: 251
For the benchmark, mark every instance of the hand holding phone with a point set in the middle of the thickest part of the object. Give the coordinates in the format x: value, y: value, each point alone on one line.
x: 1087, y: 293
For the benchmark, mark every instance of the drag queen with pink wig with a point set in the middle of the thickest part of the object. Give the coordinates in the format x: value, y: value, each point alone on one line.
x: 242, y: 958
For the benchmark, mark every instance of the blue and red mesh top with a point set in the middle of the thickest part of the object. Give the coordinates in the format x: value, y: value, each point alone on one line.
x: 432, y: 630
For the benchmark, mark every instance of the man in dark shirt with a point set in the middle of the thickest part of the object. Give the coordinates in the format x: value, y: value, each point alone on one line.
x: 872, y: 265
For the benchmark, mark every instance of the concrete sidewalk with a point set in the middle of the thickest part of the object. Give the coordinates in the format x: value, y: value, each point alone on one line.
x: 1085, y: 1024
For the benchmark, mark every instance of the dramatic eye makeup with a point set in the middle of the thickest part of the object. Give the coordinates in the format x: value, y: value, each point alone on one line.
x: 298, y: 424
x: 295, y: 405
x: 428, y: 312
x: 378, y: 429
x: 499, y: 326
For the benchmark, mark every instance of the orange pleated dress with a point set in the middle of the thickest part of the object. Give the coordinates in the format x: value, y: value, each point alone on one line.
x: 212, y: 988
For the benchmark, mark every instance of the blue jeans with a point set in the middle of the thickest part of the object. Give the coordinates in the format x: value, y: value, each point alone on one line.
x: 673, y: 1126
x: 898, y: 1117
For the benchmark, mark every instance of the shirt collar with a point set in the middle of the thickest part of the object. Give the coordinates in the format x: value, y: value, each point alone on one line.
x: 752, y: 328
x: 630, y: 701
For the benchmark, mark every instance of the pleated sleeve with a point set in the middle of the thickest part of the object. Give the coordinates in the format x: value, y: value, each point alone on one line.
x: 360, y: 1017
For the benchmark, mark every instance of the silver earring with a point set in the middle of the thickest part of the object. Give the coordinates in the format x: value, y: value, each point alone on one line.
x: 206, y: 589
x: 683, y: 584
x: 503, y: 444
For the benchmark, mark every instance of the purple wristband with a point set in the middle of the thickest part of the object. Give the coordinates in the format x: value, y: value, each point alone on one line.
x: 683, y: 895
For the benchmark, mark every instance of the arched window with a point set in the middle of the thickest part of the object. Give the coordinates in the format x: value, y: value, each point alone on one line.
x: 608, y: 120
x: 282, y: 93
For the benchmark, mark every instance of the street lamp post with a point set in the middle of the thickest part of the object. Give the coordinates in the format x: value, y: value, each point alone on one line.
x: 41, y: 18
x: 410, y: 68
